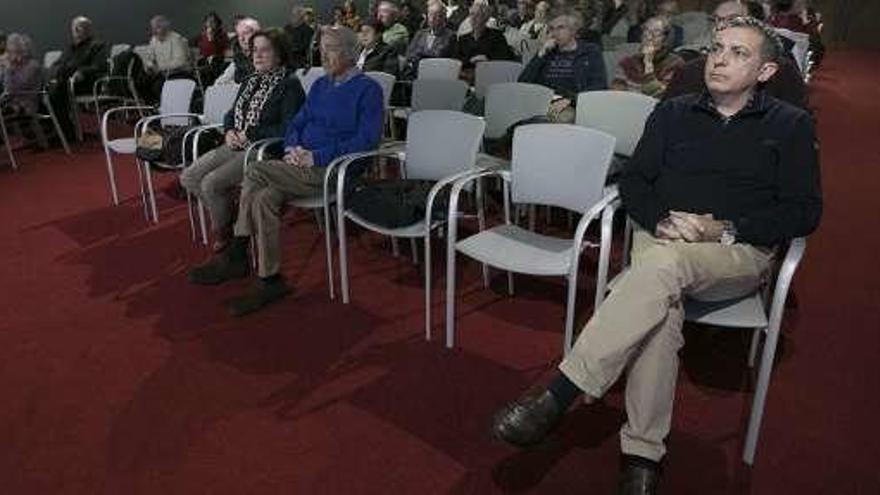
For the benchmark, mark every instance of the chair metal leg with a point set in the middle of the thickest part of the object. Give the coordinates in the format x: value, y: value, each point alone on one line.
x: 413, y: 247
x: 191, y: 216
x: 343, y: 255
x: 148, y: 175
x: 140, y: 174
x: 757, y: 414
x: 604, y: 256
x: 395, y: 248
x: 5, y: 135
x: 203, y: 223
x: 450, y: 284
x: 481, y: 225
x: 328, y: 232
x: 428, y: 286
x: 757, y: 333
x: 569, y: 311
x: 318, y: 219
x: 57, y: 125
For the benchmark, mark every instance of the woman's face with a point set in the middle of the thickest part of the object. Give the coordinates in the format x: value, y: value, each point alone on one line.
x: 367, y: 36
x: 264, y: 55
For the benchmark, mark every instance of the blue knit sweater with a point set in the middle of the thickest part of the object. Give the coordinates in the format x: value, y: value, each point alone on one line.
x: 338, y: 119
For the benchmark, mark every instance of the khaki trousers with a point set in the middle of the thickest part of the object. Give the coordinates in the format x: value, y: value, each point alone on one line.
x: 639, y: 327
x: 267, y: 186
x: 212, y: 177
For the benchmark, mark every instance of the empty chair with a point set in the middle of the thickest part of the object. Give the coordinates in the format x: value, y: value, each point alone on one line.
x: 552, y: 164
x: 438, y: 94
x: 44, y: 112
x: 493, y: 72
x: 619, y: 113
x: 173, y: 111
x: 386, y: 82
x: 439, y: 68
x: 441, y: 146
x: 308, y: 76
x: 509, y: 103
x: 50, y: 57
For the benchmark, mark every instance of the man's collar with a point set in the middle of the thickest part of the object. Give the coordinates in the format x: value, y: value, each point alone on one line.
x: 757, y: 104
x: 344, y: 78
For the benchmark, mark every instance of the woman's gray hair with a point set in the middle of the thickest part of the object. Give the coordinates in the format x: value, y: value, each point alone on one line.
x: 23, y: 42
x: 348, y: 39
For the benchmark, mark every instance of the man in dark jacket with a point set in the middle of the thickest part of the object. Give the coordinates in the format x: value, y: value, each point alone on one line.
x: 435, y: 41
x: 83, y: 62
x: 566, y: 65
x: 299, y: 38
x: 718, y: 180
x: 482, y: 43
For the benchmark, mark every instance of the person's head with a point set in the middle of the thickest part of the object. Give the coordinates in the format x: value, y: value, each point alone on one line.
x: 268, y: 51
x: 349, y: 8
x: 541, y: 10
x: 309, y: 16
x: 244, y: 30
x: 480, y: 13
x: 387, y: 13
x: 80, y: 28
x: 564, y: 29
x: 338, y: 14
x: 655, y: 32
x: 667, y: 8
x: 338, y: 49
x: 160, y: 26
x: 370, y: 33
x: 297, y: 15
x: 782, y: 6
x: 2, y: 42
x: 19, y: 48
x: 727, y: 9
x: 406, y: 10
x: 743, y: 54
x: 212, y: 23
x: 436, y: 15
x: 525, y: 8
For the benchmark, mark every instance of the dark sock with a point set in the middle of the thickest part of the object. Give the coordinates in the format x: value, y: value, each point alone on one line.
x: 564, y: 390
x: 635, y: 460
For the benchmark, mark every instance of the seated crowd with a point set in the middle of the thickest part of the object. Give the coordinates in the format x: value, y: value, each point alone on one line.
x: 725, y: 172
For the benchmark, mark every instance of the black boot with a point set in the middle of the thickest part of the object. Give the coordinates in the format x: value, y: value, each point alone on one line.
x: 231, y: 263
x: 529, y: 419
x: 263, y: 293
x: 638, y: 476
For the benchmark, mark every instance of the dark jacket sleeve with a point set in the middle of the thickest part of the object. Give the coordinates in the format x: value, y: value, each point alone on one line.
x: 534, y: 71
x: 592, y: 77
x: 96, y: 62
x: 799, y: 196
x: 285, y: 102
x: 641, y: 171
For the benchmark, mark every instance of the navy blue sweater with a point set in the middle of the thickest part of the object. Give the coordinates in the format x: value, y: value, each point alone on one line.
x: 338, y: 119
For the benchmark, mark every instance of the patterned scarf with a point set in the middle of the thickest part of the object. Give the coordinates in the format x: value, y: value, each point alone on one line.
x: 253, y: 96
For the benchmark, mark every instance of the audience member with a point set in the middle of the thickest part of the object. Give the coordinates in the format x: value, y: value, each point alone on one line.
x: 4, y: 58
x: 395, y: 34
x: 212, y: 43
x: 566, y: 65
x: 411, y: 17
x: 342, y: 114
x: 789, y: 14
x: 374, y: 54
x: 536, y: 27
x: 242, y: 64
x: 23, y: 74
x: 437, y: 40
x: 169, y: 54
x: 456, y: 12
x: 338, y: 16
x: 350, y: 18
x: 482, y: 43
x: 266, y: 100
x: 667, y: 9
x: 299, y: 38
x: 649, y: 71
x: 523, y: 13
x: 83, y: 61
x: 717, y: 181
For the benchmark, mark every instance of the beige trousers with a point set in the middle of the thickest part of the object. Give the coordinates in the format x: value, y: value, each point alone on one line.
x: 212, y: 177
x: 638, y: 327
x: 267, y: 186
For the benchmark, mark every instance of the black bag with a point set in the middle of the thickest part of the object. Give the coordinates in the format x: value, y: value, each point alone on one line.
x: 395, y: 203
x: 162, y: 146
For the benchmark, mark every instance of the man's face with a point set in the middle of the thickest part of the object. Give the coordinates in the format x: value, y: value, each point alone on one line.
x: 386, y: 15
x: 367, y: 36
x: 735, y: 64
x: 159, y: 28
x: 333, y: 56
x: 479, y: 15
x: 436, y: 16
x: 243, y: 32
x: 561, y: 31
x: 79, y: 30
x: 727, y: 10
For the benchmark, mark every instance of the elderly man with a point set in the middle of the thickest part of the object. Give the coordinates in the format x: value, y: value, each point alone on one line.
x: 435, y: 41
x: 84, y: 61
x: 787, y: 85
x: 168, y: 57
x: 299, y: 37
x: 342, y: 114
x: 242, y: 66
x: 395, y: 34
x: 482, y: 42
x: 718, y: 180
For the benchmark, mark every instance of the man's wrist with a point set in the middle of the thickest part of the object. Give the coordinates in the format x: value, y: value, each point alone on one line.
x: 728, y: 233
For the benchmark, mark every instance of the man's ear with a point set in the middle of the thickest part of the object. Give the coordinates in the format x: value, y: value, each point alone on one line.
x: 767, y: 70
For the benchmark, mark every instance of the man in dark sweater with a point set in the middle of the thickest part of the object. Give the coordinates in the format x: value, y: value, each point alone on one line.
x: 82, y: 62
x: 342, y: 114
x: 718, y: 180
x: 299, y: 38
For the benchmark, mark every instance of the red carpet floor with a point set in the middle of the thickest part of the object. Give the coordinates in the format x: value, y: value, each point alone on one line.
x: 118, y: 377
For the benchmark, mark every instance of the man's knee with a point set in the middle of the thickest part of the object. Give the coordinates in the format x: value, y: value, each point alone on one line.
x: 268, y: 201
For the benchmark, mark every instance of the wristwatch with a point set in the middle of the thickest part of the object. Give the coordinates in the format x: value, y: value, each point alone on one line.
x: 728, y: 235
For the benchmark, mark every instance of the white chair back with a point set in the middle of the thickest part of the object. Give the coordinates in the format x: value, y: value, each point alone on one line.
x: 176, y: 98
x: 694, y: 25
x: 560, y: 165
x: 119, y: 48
x: 439, y: 68
x: 218, y: 100
x: 801, y: 48
x: 440, y: 143
x: 50, y: 57
x: 307, y: 77
x: 386, y: 81
x: 612, y: 58
x: 438, y: 94
x: 494, y: 72
x: 619, y: 113
x: 144, y: 52
x: 509, y: 103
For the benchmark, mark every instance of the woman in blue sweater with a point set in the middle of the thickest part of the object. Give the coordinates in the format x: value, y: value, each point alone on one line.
x: 342, y: 114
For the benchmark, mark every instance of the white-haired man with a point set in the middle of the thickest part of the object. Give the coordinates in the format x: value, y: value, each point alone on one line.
x: 435, y: 41
x: 395, y: 34
x: 241, y: 66
x: 718, y: 180
x: 168, y: 57
x: 342, y: 114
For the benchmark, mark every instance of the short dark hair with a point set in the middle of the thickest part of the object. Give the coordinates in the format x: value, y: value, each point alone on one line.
x: 377, y: 26
x: 771, y: 46
x: 279, y: 44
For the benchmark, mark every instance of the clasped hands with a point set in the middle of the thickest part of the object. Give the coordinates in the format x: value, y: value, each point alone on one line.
x: 299, y: 157
x: 689, y: 227
x: 236, y: 140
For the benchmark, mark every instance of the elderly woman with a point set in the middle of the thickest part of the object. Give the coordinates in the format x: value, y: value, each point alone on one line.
x: 265, y: 102
x: 567, y: 66
x: 23, y: 74
x: 374, y: 54
x: 651, y: 70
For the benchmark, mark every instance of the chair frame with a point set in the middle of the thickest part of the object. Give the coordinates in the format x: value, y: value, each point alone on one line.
x: 43, y: 95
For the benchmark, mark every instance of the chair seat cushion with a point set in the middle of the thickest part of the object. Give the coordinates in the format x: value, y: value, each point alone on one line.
x: 746, y: 312
x: 124, y: 146
x: 515, y: 249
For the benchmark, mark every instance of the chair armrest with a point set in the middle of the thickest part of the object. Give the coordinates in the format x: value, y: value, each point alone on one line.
x: 105, y: 118
x: 144, y: 122
x: 340, y: 165
x: 196, y: 133
x: 597, y: 209
x: 256, y: 149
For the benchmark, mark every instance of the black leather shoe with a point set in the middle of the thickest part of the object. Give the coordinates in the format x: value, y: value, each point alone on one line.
x: 638, y: 476
x: 528, y: 420
x: 231, y: 263
x: 263, y: 293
